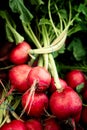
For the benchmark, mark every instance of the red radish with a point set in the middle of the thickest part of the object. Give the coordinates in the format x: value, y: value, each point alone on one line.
x: 53, y: 88
x: 14, y: 125
x: 5, y: 50
x: 51, y: 124
x: 77, y: 118
x: 35, y: 105
x: 65, y: 104
x: 33, y: 124
x: 19, y: 54
x: 84, y: 115
x: 84, y: 96
x: 75, y: 78
x: 41, y: 76
x: 18, y: 77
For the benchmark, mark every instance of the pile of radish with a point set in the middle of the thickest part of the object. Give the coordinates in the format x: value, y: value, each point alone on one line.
x: 33, y: 95
x: 43, y: 104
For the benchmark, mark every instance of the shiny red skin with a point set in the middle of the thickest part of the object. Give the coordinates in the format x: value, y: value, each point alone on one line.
x: 39, y: 104
x: 84, y: 115
x: 84, y: 96
x: 18, y: 77
x: 14, y: 125
x: 33, y: 124
x: 41, y: 76
x: 51, y: 124
x: 19, y: 54
x: 52, y: 87
x: 65, y: 104
x: 74, y: 78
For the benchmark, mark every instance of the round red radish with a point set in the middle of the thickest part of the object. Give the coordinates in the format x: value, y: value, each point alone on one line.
x: 41, y: 76
x: 14, y: 125
x: 77, y: 118
x: 36, y: 105
x: 51, y: 124
x: 75, y: 78
x: 53, y: 88
x: 65, y: 104
x: 18, y: 77
x: 19, y: 54
x: 84, y: 96
x: 33, y: 124
x: 84, y: 115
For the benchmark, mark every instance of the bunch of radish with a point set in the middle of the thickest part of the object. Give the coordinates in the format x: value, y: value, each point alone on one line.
x: 43, y: 93
x: 47, y: 101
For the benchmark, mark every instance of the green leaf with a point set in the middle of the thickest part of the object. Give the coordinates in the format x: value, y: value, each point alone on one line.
x: 10, y: 27
x: 44, y: 21
x: 18, y: 6
x: 77, y: 49
x: 36, y: 2
x: 61, y: 51
x: 82, y: 8
x: 79, y: 87
x: 12, y: 35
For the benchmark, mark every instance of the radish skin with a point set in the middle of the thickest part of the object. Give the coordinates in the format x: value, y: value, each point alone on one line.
x: 14, y: 125
x: 42, y: 77
x: 19, y: 54
x: 18, y: 77
x: 65, y: 104
x: 36, y: 106
x: 33, y: 124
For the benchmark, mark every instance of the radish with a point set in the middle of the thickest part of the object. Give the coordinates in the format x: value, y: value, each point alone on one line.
x: 5, y: 50
x: 84, y: 115
x: 33, y: 124
x: 35, y: 105
x: 41, y: 76
x: 14, y: 125
x: 51, y: 124
x: 18, y: 77
x: 65, y: 104
x: 53, y: 88
x: 84, y: 96
x: 75, y: 78
x: 19, y: 54
x: 77, y: 118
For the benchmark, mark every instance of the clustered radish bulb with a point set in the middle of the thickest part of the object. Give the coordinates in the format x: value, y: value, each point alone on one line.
x: 36, y: 105
x: 75, y: 78
x: 14, y: 125
x: 84, y: 115
x: 41, y: 76
x: 19, y: 54
x: 18, y: 77
x: 51, y: 124
x: 67, y: 103
x: 53, y: 88
x: 33, y: 124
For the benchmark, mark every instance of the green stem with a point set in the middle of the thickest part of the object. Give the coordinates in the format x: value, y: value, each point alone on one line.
x: 46, y: 43
x: 31, y: 34
x: 40, y: 61
x: 49, y: 49
x: 54, y: 72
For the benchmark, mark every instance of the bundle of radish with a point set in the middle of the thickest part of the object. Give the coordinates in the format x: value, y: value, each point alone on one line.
x: 35, y: 82
x: 67, y: 102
